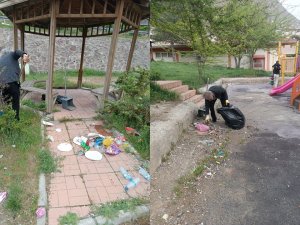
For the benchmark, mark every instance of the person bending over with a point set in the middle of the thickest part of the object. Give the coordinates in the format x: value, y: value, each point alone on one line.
x: 211, y: 96
x: 10, y: 78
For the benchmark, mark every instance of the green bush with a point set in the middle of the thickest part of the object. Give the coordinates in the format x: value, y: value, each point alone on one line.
x: 158, y: 94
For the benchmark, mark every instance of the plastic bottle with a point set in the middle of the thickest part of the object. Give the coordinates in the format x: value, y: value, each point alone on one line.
x: 125, y: 174
x: 132, y: 183
x: 144, y: 173
x: 84, y: 145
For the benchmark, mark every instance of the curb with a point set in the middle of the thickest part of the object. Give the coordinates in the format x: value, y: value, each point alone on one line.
x: 122, y: 217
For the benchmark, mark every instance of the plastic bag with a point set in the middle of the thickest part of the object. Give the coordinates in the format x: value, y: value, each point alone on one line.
x: 233, y: 117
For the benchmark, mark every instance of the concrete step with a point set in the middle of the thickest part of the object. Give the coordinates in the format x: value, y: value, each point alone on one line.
x: 169, y: 84
x: 188, y: 94
x: 180, y: 89
x: 195, y: 98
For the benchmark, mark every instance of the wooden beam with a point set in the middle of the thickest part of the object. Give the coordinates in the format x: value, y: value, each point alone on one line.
x: 133, y: 42
x: 129, y: 22
x: 112, y: 51
x: 33, y: 19
x: 87, y: 16
x: 79, y: 82
x: 49, y: 85
x: 23, y: 48
x: 15, y: 30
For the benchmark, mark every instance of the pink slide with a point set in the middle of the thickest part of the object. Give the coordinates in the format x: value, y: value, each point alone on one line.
x: 284, y: 87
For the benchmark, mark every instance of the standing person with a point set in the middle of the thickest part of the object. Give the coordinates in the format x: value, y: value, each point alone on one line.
x: 10, y: 78
x: 211, y: 96
x: 276, y: 73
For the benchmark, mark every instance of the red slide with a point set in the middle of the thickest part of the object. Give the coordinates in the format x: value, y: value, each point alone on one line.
x: 284, y: 87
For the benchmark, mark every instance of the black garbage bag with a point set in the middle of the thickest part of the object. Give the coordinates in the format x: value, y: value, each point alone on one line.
x: 233, y: 117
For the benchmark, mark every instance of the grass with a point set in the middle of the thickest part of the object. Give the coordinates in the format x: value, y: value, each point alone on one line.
x: 158, y: 94
x: 213, y: 159
x: 69, y: 219
x: 19, y: 165
x: 188, y: 72
x: 47, y: 163
x: 111, y: 209
x: 59, y: 81
x: 41, y: 106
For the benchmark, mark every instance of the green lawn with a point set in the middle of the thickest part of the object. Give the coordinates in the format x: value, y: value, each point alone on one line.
x: 188, y: 72
x: 89, y: 76
x: 20, y: 143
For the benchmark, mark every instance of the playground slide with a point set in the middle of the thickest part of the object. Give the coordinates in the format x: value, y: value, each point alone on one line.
x: 284, y: 87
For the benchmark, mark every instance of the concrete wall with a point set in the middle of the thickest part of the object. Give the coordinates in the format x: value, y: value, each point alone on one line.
x: 68, y: 51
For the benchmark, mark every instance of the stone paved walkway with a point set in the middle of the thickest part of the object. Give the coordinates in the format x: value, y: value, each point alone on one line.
x: 81, y: 182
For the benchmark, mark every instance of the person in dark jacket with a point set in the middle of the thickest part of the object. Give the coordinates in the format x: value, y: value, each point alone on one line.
x: 276, y: 73
x: 10, y: 78
x: 211, y: 96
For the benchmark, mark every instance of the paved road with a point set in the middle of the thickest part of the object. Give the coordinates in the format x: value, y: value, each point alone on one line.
x: 262, y: 186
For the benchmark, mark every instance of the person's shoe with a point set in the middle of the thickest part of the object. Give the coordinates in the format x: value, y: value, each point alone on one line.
x: 214, y: 121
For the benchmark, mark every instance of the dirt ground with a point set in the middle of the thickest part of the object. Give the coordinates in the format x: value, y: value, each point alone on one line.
x: 256, y: 184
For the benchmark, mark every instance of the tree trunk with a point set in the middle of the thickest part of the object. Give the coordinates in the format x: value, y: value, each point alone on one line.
x: 173, y: 51
x: 251, y: 60
x: 237, y: 62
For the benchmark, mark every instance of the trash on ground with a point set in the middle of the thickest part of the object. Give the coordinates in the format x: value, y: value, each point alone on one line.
x: 40, y: 212
x: 112, y: 150
x: 107, y: 142
x: 58, y: 130
x: 3, y: 196
x: 125, y: 173
x: 207, y: 142
x: 13, y: 146
x: 165, y: 217
x: 201, y: 127
x: 47, y: 123
x: 130, y: 130
x: 220, y: 153
x: 93, y: 155
x: 132, y: 183
x: 50, y: 138
x: 145, y: 174
x: 1, y: 156
x: 65, y: 147
x: 208, y: 175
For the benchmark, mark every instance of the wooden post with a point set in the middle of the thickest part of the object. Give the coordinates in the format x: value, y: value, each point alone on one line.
x: 15, y: 30
x: 79, y: 82
x: 23, y: 48
x: 133, y: 42
x: 112, y: 50
x: 296, y: 57
x: 51, y: 54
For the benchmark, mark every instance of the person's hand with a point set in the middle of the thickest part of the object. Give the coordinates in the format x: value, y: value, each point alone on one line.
x: 227, y: 103
x: 26, y: 58
x: 207, y: 119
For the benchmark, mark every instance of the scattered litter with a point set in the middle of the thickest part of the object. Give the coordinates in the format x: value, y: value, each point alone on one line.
x: 221, y: 154
x: 201, y: 127
x: 207, y: 142
x: 132, y: 183
x: 165, y: 217
x: 58, y: 130
x: 208, y: 175
x: 13, y: 146
x: 77, y: 140
x: 112, y: 150
x: 65, y: 147
x: 40, y: 212
x: 49, y: 137
x: 3, y: 196
x: 132, y: 131
x: 107, y: 142
x: 5, y: 168
x: 80, y: 152
x: 47, y: 123
x: 125, y: 173
x: 144, y: 173
x: 1, y: 156
x: 93, y: 155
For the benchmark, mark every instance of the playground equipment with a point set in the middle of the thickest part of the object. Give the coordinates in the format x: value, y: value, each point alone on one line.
x: 287, y: 57
x: 295, y: 100
x: 285, y: 86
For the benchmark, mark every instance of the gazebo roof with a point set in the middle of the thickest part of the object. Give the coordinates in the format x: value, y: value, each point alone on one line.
x: 96, y: 17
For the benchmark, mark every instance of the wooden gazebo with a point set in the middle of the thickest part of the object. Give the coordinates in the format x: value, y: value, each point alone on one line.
x: 76, y: 18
